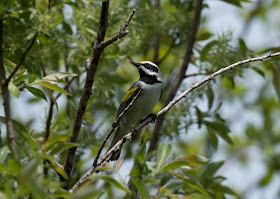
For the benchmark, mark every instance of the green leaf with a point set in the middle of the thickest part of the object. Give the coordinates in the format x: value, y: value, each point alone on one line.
x: 57, y: 21
x: 190, y: 182
x: 210, y: 96
x: 13, y: 89
x: 206, y: 49
x: 266, y: 178
x: 5, y: 170
x: 11, y: 64
x: 141, y: 187
x: 115, y: 183
x: 53, y: 164
x: 52, y: 98
x: 209, y: 171
x: 58, y: 76
x: 203, y: 34
x: 221, y: 128
x: 60, y: 147
x: 55, y: 138
x: 51, y: 85
x: 213, y: 138
x: 14, y: 166
x: 4, y: 151
x: 259, y: 71
x: 37, y: 92
x: 243, y: 47
x: 163, y: 153
x: 192, y: 161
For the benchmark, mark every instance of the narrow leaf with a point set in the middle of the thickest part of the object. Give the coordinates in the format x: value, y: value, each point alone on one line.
x: 206, y: 49
x: 13, y: 89
x: 190, y: 182
x: 141, y: 187
x: 4, y: 151
x: 115, y: 183
x: 243, y: 47
x: 163, y: 153
x: 192, y: 161
x: 58, y: 76
x: 60, y: 147
x: 52, y: 85
x: 37, y: 92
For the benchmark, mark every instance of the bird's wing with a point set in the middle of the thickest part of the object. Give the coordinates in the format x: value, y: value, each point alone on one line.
x: 128, y: 97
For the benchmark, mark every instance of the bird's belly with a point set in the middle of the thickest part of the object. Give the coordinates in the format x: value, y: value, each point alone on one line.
x: 144, y: 104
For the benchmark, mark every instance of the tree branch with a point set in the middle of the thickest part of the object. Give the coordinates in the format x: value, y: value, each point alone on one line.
x: 181, y: 75
x: 6, y: 97
x: 22, y: 58
x: 87, y: 90
x: 196, y: 74
x: 114, y: 125
x: 109, y: 154
x: 123, y: 32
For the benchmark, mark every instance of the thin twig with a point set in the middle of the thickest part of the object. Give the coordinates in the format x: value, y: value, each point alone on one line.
x: 181, y: 75
x: 87, y: 90
x: 22, y: 58
x: 6, y: 97
x: 114, y: 125
x: 108, y: 155
x: 121, y: 34
x: 196, y: 74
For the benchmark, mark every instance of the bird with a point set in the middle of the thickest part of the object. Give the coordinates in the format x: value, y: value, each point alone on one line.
x: 151, y: 85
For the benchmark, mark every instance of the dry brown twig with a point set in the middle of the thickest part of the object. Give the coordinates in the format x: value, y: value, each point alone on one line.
x: 98, y: 48
x: 117, y: 146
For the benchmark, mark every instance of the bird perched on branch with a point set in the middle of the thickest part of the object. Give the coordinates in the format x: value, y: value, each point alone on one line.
x: 150, y: 87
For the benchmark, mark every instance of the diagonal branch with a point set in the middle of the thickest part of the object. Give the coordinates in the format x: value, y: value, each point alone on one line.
x: 6, y: 97
x: 87, y: 90
x: 108, y: 155
x: 196, y: 74
x: 181, y: 75
x: 22, y: 58
x: 123, y: 32
x: 114, y: 125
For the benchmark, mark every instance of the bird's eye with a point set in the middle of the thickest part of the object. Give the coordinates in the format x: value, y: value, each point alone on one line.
x: 151, y: 67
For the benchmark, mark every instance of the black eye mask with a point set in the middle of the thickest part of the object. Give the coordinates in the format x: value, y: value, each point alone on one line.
x: 151, y: 67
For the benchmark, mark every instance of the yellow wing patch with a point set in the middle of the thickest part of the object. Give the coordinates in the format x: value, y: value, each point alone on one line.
x: 128, y: 94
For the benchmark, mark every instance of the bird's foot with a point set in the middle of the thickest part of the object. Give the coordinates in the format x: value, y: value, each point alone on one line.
x: 153, y: 116
x: 133, y: 130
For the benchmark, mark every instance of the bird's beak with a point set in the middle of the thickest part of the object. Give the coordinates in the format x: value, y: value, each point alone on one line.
x: 135, y: 64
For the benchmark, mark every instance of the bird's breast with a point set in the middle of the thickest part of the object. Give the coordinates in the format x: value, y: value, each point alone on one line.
x: 145, y: 103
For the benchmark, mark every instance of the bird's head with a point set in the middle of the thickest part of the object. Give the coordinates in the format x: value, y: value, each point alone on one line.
x: 148, y: 69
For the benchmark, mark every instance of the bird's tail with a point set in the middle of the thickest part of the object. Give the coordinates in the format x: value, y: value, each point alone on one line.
x: 116, y: 138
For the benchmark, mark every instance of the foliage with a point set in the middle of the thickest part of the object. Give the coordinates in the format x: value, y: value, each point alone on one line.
x: 65, y: 32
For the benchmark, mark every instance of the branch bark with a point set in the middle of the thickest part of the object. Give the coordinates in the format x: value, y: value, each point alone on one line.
x: 6, y: 97
x: 108, y: 155
x: 180, y: 76
x: 87, y: 90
